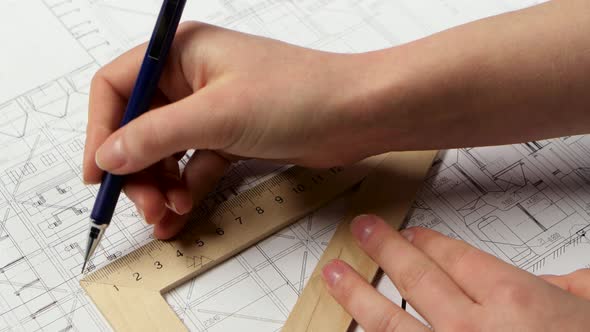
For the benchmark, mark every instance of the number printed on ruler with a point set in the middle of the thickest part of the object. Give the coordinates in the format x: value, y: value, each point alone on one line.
x: 220, y: 232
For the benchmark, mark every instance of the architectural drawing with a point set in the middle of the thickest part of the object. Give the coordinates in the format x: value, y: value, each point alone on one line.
x: 528, y: 204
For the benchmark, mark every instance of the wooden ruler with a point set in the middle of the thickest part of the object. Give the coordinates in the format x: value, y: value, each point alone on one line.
x: 128, y: 291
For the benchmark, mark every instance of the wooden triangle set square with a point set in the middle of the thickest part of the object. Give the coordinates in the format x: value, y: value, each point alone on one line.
x: 129, y: 291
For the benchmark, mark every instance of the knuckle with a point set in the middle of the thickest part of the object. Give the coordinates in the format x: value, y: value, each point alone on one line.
x: 582, y: 274
x: 411, y: 277
x: 188, y: 28
x: 98, y: 79
x: 187, y: 25
x: 391, y: 323
x: 452, y: 254
x: 152, y: 136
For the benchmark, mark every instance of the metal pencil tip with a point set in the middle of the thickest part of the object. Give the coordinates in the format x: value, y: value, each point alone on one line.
x: 84, y: 266
x: 96, y: 233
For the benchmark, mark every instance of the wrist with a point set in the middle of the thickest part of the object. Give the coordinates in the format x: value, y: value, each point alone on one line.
x: 359, y: 100
x: 488, y: 82
x: 385, y: 96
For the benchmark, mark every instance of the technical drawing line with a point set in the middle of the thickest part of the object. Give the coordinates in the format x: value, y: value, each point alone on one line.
x: 543, y: 228
x: 26, y: 164
x: 236, y: 315
x: 42, y: 132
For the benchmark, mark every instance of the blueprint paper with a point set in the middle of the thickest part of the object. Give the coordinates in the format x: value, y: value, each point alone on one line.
x: 527, y: 204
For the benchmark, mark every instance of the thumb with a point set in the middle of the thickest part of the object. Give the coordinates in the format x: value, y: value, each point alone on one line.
x: 196, y: 122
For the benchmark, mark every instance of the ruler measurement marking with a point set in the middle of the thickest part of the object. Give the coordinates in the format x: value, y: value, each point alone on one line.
x: 142, y: 250
x: 222, y: 217
x: 109, y: 269
x: 118, y: 264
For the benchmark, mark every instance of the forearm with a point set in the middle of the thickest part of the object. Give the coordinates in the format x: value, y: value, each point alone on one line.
x: 516, y: 77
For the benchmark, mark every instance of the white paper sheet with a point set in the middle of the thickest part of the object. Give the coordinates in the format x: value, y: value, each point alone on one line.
x: 528, y: 203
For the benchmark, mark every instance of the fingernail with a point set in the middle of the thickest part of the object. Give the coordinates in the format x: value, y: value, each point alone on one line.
x: 408, y: 233
x: 333, y: 272
x: 172, y: 207
x: 363, y: 226
x: 111, y: 156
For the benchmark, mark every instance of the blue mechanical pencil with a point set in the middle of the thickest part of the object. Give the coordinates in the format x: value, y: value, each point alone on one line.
x: 139, y: 102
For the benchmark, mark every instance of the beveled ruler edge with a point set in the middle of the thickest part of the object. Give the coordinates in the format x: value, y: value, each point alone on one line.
x: 380, y: 193
x: 129, y: 304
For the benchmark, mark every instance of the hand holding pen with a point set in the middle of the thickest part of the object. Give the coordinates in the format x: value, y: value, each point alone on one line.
x: 139, y: 102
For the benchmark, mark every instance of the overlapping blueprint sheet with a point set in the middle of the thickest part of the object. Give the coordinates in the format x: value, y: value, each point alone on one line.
x: 529, y: 204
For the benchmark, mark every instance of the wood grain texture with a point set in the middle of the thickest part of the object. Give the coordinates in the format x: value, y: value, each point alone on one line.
x: 388, y: 191
x: 128, y: 292
x: 133, y: 309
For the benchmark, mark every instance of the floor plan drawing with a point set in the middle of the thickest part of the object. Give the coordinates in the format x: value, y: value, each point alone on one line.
x: 507, y: 202
x: 528, y: 204
x: 43, y: 201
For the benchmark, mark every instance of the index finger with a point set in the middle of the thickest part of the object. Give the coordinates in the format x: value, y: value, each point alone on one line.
x: 370, y: 309
x: 110, y: 88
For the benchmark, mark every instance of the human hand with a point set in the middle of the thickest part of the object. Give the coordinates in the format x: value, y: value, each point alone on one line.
x: 454, y: 286
x: 229, y: 95
x: 241, y: 96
